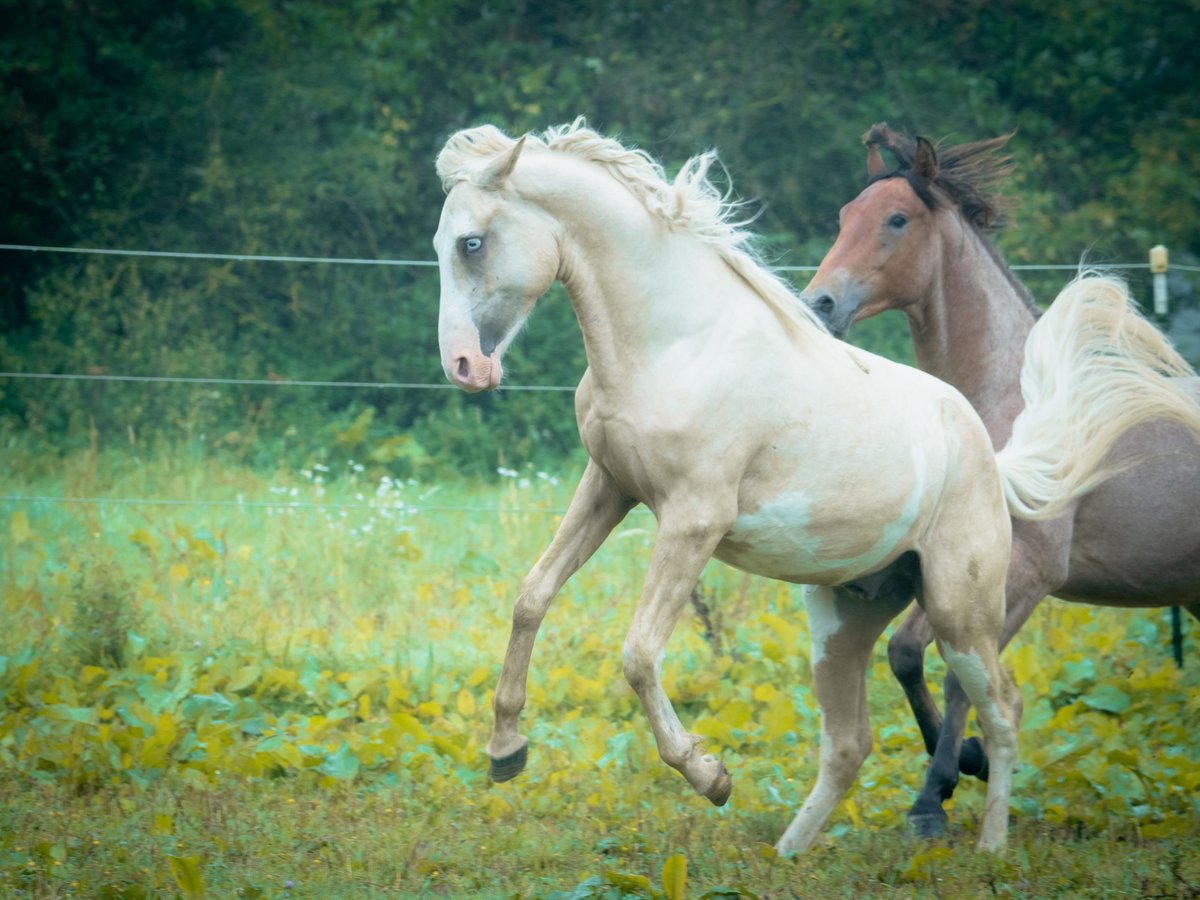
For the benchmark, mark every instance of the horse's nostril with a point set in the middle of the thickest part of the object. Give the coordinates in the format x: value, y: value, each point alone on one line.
x: 824, y: 305
x: 462, y: 368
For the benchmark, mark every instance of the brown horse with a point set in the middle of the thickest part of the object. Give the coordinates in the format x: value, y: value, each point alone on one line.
x: 916, y: 239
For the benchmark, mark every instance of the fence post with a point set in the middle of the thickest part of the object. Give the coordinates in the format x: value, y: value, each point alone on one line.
x: 1158, y: 269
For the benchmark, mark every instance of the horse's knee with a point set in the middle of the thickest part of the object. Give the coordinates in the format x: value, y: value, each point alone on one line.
x: 907, y: 658
x: 639, y: 666
x: 845, y: 755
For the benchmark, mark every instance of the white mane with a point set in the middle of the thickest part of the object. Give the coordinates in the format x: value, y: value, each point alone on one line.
x: 690, y: 202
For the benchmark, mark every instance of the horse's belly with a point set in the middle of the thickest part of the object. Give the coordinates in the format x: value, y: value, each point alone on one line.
x: 790, y: 539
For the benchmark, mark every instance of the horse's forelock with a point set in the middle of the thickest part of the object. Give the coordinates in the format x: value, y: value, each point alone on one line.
x: 469, y: 151
x: 970, y: 174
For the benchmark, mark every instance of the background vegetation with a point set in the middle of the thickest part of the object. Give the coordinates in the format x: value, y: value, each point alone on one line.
x: 307, y: 128
x: 258, y: 660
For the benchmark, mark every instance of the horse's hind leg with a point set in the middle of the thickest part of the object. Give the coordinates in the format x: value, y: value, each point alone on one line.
x: 967, y: 615
x: 844, y: 628
x: 1040, y: 553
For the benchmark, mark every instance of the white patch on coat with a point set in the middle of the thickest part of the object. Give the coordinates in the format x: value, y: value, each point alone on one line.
x: 775, y: 540
x: 823, y: 619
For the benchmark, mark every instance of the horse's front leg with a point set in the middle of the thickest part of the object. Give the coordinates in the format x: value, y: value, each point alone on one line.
x: 844, y: 628
x: 684, y: 544
x: 595, y: 510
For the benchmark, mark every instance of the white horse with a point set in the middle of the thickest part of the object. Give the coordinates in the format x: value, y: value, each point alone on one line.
x: 717, y: 399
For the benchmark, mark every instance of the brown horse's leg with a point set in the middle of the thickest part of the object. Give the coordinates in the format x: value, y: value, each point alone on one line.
x: 844, y: 626
x: 594, y: 511
x: 906, y: 656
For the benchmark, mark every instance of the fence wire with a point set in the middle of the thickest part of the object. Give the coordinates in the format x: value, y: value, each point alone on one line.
x: 274, y: 505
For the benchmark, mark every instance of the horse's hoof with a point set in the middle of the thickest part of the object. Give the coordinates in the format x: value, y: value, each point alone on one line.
x: 719, y: 791
x: 972, y: 760
x: 508, y: 767
x: 928, y: 826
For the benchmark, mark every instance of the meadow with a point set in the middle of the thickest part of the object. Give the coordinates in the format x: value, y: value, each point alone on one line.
x: 219, y: 681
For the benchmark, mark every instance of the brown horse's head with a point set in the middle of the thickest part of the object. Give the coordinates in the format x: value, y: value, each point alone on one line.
x: 885, y: 256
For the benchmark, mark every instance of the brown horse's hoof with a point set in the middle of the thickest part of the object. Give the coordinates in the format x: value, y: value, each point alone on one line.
x: 718, y: 793
x: 508, y: 767
x: 972, y: 760
x: 929, y: 826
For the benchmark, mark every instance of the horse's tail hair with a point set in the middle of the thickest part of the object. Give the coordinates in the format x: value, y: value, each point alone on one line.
x: 1094, y: 367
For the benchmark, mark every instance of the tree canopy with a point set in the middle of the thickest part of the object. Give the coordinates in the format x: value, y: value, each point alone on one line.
x: 305, y: 128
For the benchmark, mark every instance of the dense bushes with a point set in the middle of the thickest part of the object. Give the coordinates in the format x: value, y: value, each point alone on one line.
x: 305, y: 129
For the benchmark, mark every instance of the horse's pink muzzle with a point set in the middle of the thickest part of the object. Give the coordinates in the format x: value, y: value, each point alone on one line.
x: 472, y: 371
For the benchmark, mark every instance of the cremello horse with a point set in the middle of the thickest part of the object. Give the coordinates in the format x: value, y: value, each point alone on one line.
x: 715, y: 398
x: 1089, y: 372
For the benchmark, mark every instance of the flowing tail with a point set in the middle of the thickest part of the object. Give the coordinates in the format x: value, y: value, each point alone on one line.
x: 1094, y: 368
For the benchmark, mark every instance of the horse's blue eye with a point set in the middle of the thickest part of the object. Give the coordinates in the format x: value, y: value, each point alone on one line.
x: 899, y: 220
x: 472, y: 244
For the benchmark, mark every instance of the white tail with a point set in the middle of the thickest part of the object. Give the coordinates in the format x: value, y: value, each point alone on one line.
x: 1094, y: 368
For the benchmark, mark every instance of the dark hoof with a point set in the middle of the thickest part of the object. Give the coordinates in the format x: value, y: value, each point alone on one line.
x: 928, y: 826
x: 972, y: 760
x: 508, y: 767
x: 718, y: 793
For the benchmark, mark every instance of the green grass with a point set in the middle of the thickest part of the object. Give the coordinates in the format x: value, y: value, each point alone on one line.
x: 293, y: 700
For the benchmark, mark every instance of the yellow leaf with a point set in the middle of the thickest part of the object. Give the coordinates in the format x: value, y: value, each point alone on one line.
x: 765, y: 693
x: 409, y: 725
x: 477, y: 677
x: 466, y: 703
x: 178, y: 573
x: 432, y: 709
x: 779, y: 719
x: 88, y: 674
x: 851, y: 809
x: 737, y: 713
x: 674, y: 876
x: 243, y: 678
x: 163, y: 824
x: 21, y: 531
x: 186, y: 871
x: 364, y: 706
x: 144, y: 539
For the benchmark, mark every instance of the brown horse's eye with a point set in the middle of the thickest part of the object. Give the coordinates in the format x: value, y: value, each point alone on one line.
x: 898, y: 221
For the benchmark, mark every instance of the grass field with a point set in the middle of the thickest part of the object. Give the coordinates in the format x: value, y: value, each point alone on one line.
x: 279, y: 684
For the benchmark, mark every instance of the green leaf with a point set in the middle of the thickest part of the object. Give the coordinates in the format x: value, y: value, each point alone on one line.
x: 1107, y: 698
x: 342, y: 765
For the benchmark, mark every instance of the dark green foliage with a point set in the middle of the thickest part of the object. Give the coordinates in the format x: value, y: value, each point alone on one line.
x: 309, y: 129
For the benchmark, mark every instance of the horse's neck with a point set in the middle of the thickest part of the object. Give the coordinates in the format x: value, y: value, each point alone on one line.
x: 970, y: 329
x: 620, y: 265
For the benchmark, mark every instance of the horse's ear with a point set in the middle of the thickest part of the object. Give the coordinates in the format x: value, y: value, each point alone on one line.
x: 497, y: 173
x: 926, y: 163
x: 875, y: 163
